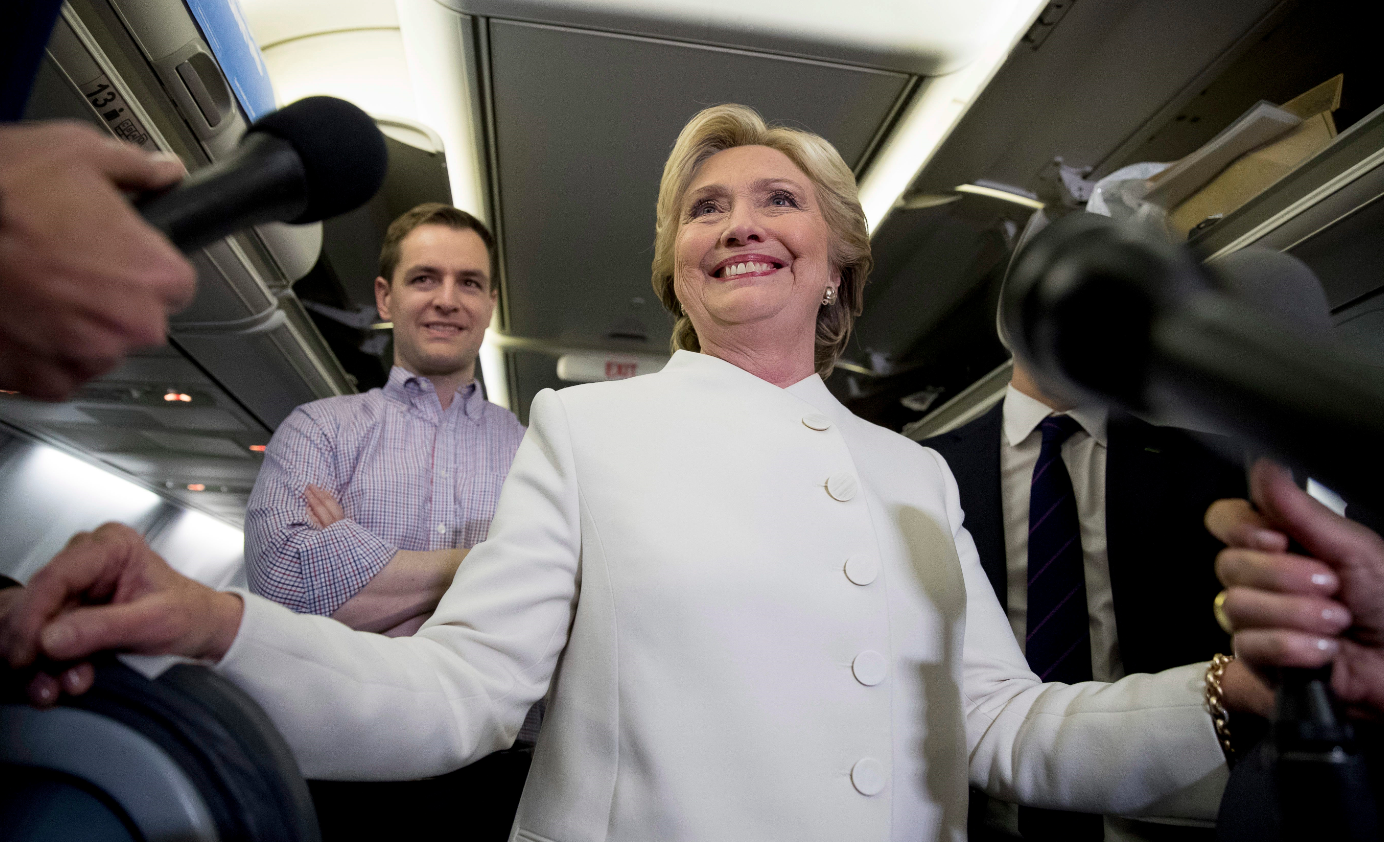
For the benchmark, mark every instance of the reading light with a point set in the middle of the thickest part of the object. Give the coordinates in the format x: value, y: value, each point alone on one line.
x: 257, y: 448
x: 1002, y: 195
x: 174, y: 396
x: 927, y: 200
x: 196, y: 486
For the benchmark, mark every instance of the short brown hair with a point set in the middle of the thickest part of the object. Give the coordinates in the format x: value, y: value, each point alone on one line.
x: 431, y: 213
x: 723, y: 127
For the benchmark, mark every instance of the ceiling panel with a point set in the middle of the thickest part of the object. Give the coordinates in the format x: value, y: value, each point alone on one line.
x: 583, y: 123
x: 200, y: 445
x: 182, y: 470
x: 535, y: 372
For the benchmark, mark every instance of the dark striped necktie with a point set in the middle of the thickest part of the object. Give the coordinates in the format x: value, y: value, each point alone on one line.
x: 1058, y: 643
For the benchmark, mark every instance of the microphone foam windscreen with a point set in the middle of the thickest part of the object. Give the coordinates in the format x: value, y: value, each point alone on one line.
x: 343, y: 152
x: 1275, y: 283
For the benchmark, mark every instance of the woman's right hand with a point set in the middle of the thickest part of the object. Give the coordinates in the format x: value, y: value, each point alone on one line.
x: 108, y: 590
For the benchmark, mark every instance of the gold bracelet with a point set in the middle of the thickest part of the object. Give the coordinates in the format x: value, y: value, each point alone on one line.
x: 1215, y: 701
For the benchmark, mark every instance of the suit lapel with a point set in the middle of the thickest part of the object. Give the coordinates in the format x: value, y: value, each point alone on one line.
x: 1134, y: 481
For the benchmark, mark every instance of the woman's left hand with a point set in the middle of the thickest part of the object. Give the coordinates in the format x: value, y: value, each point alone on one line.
x: 1289, y: 610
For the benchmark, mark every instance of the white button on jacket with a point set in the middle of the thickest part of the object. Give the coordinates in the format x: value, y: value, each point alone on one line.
x: 868, y: 776
x: 862, y: 569
x: 869, y: 668
x: 817, y: 421
x: 842, y: 486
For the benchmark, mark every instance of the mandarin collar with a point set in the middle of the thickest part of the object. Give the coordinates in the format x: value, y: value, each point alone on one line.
x: 1023, y: 414
x: 810, y: 389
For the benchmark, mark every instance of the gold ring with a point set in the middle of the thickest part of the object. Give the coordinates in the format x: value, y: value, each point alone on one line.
x: 1218, y: 609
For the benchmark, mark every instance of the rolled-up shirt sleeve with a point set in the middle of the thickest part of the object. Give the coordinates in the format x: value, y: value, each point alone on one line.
x: 287, y: 559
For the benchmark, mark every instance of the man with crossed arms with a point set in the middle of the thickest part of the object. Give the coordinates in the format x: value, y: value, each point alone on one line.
x: 366, y: 504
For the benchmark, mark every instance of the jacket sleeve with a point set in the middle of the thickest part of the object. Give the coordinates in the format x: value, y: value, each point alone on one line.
x: 1143, y: 745
x: 287, y: 558
x: 360, y: 706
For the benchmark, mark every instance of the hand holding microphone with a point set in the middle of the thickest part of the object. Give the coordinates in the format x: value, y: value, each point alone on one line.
x: 1118, y: 314
x: 1295, y: 610
x: 85, y: 280
x: 1316, y: 624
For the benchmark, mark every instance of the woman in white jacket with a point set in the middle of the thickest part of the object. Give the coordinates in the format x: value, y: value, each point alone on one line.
x: 755, y: 616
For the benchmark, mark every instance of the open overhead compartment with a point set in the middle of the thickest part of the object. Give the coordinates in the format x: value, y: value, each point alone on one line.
x: 244, y: 351
x: 1106, y: 85
x: 1329, y: 212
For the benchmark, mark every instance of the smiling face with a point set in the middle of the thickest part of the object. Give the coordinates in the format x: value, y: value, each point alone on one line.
x: 752, y: 254
x: 440, y: 301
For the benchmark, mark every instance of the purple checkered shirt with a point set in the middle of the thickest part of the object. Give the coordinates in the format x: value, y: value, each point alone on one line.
x: 409, y: 475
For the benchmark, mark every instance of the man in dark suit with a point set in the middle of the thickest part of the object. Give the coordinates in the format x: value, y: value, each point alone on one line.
x: 1133, y: 594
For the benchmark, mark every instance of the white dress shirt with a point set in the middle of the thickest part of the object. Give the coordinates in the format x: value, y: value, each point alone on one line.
x: 1084, y: 455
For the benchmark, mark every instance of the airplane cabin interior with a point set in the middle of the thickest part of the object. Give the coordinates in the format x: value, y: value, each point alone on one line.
x: 550, y: 120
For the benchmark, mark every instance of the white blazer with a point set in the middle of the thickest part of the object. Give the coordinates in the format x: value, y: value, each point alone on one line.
x: 756, y: 617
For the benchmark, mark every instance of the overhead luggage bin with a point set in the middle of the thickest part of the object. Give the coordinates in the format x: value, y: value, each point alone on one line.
x: 151, y: 56
x: 243, y: 280
x: 245, y: 352
x: 918, y: 38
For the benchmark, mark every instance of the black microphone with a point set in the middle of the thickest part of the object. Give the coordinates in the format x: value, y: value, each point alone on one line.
x: 1109, y: 312
x: 311, y: 160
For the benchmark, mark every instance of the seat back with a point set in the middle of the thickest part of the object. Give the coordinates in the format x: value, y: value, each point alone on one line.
x: 186, y: 755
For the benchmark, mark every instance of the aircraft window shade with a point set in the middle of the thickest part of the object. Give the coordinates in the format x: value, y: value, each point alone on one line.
x: 202, y: 740
x: 201, y: 92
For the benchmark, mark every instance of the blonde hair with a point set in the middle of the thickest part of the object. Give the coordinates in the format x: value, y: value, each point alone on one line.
x: 723, y: 127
